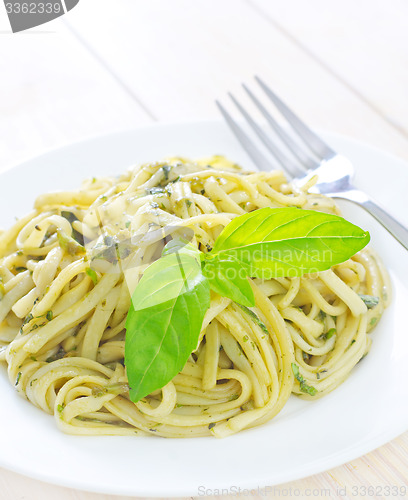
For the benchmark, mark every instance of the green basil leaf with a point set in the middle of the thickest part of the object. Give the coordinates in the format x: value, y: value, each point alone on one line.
x: 276, y: 242
x: 164, y: 322
x: 229, y: 279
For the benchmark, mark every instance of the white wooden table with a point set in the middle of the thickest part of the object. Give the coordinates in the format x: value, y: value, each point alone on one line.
x: 111, y: 65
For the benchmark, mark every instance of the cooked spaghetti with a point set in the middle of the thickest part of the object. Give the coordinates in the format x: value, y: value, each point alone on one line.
x: 62, y: 322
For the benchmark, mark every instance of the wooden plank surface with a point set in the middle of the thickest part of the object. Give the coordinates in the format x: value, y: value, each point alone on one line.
x: 179, y: 55
x: 53, y: 92
x: 341, y: 65
x: 363, y: 44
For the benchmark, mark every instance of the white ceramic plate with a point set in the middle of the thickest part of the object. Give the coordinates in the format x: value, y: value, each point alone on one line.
x: 369, y: 409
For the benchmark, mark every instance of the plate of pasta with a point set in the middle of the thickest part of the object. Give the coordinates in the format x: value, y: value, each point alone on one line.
x: 166, y: 311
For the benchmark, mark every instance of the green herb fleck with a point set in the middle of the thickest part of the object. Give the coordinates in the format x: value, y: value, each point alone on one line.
x: 27, y: 319
x: 255, y: 318
x: 68, y: 244
x: 210, y: 426
x: 369, y: 300
x: 92, y: 274
x: 18, y: 378
x: 166, y: 171
x: 330, y: 333
x: 304, y: 387
x: 49, y: 315
x: 155, y: 190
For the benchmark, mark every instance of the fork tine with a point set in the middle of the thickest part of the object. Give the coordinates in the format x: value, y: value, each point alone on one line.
x: 307, y: 160
x: 286, y: 163
x: 257, y: 157
x: 322, y: 150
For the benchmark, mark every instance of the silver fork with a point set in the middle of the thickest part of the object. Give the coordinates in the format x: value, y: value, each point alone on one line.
x: 334, y: 171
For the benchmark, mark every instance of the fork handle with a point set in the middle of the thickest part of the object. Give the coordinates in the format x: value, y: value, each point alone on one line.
x: 391, y: 224
x: 394, y: 227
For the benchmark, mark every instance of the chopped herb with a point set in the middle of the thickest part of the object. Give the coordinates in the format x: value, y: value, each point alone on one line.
x: 115, y: 250
x: 373, y: 321
x: 318, y: 375
x: 210, y: 426
x: 352, y: 342
x: 369, y: 300
x: 104, y: 198
x: 202, y: 191
x: 36, y: 325
x: 21, y: 269
x: 49, y: 315
x: 127, y: 225
x: 233, y: 397
x: 189, y: 203
x: 117, y: 388
x: 155, y: 190
x: 60, y: 408
x: 18, y: 378
x: 304, y: 387
x: 166, y: 171
x: 92, y: 274
x: 68, y: 244
x: 329, y: 334
x: 58, y: 355
x: 37, y: 227
x: 27, y: 319
x: 245, y: 338
x: 33, y: 358
x: 255, y: 318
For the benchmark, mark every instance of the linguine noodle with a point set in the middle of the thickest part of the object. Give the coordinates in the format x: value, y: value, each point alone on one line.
x: 67, y: 270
